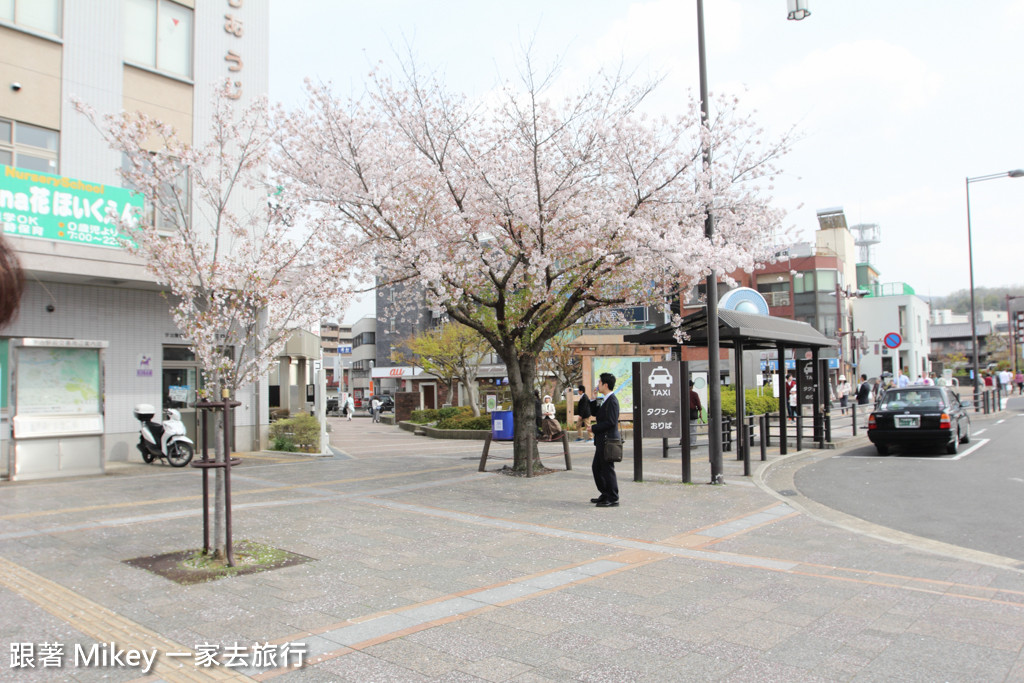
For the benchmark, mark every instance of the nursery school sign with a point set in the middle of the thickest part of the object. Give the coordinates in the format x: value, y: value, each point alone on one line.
x: 53, y: 207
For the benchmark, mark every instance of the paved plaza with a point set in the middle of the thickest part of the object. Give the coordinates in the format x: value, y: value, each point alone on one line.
x: 424, y: 569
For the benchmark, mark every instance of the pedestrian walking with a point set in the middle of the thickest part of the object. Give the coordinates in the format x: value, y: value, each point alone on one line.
x: 1019, y: 379
x: 584, y: 415
x: 864, y: 391
x: 1005, y: 380
x: 350, y: 407
x: 843, y: 390
x: 791, y: 396
x: 606, y: 426
x: 375, y: 409
x: 695, y: 412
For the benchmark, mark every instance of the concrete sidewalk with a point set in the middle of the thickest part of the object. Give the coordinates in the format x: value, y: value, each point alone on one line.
x: 425, y: 570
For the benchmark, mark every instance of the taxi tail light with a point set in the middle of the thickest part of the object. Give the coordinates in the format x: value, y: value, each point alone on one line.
x: 871, y: 422
x: 944, y: 421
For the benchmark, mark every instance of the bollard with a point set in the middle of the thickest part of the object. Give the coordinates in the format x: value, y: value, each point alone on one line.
x: 763, y: 426
x: 565, y: 450
x: 483, y: 456
x: 768, y: 430
x: 664, y: 448
x: 853, y: 417
x: 828, y: 430
x: 727, y: 434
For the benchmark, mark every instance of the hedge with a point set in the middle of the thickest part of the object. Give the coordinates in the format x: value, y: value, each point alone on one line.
x: 465, y: 422
x: 756, y: 405
x: 301, y: 430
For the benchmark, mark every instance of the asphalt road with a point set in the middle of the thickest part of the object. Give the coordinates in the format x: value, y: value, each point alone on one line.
x: 974, y: 500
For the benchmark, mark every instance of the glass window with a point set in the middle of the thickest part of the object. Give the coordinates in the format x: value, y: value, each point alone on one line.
x: 803, y: 282
x: 41, y: 15
x: 178, y: 353
x: 36, y: 137
x: 826, y: 280
x: 140, y: 33
x: 34, y: 163
x: 29, y: 147
x: 167, y: 219
x: 174, y: 38
x: 159, y: 35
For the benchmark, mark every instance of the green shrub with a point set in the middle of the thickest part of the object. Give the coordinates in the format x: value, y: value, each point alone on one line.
x: 302, y: 430
x: 465, y: 422
x: 282, y: 443
x: 756, y: 405
x: 422, y: 417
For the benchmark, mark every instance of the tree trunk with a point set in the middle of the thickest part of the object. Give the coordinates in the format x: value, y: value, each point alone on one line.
x: 522, y: 371
x: 472, y: 393
x: 218, y: 532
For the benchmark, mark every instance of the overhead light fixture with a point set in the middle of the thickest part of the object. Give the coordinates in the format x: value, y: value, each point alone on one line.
x: 798, y: 9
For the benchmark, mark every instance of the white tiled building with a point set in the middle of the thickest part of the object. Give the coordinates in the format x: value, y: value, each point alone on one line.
x: 162, y: 57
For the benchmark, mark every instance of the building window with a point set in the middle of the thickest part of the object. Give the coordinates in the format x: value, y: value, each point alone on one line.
x: 37, y: 15
x: 29, y: 147
x: 158, y: 35
x: 174, y: 197
x: 827, y: 280
x: 803, y: 282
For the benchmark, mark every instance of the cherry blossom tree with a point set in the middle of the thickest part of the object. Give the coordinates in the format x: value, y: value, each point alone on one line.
x: 244, y: 265
x: 522, y: 213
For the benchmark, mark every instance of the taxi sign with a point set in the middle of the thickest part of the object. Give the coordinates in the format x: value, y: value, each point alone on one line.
x: 661, y: 392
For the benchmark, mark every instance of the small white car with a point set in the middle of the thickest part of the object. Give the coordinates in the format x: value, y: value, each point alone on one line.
x: 659, y: 377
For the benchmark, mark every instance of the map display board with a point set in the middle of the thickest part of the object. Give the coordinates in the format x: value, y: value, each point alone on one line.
x: 622, y: 368
x: 58, y: 381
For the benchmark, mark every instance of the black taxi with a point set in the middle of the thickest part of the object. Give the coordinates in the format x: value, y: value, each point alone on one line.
x: 919, y: 416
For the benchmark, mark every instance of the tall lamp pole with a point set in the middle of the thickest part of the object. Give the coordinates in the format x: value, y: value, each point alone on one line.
x: 797, y: 10
x: 1016, y: 173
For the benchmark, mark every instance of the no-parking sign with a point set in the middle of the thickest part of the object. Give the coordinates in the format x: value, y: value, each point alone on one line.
x: 892, y: 340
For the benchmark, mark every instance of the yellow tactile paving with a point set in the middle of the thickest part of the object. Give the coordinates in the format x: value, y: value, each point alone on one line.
x: 104, y: 626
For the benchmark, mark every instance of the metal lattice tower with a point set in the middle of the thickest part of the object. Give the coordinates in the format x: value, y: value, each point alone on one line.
x: 866, y: 235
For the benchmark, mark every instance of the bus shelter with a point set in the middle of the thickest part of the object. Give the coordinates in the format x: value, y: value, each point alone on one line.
x: 752, y: 332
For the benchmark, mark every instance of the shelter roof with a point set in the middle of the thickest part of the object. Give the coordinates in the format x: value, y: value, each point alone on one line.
x: 751, y: 330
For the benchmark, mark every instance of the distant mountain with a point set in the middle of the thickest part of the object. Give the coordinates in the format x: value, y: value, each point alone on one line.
x: 985, y: 298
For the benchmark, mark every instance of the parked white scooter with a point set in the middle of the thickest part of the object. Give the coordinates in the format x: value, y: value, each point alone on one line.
x: 167, y: 440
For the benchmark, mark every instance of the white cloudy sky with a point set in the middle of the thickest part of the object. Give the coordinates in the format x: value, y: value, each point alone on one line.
x: 897, y: 100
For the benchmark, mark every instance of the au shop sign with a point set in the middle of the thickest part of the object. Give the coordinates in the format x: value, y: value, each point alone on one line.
x: 52, y: 207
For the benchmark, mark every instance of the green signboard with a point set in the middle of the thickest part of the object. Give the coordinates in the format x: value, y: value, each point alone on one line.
x: 53, y: 207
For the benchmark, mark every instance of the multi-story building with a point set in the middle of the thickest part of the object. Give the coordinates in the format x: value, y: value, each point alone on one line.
x: 160, y: 57
x: 336, y: 351
x: 364, y: 358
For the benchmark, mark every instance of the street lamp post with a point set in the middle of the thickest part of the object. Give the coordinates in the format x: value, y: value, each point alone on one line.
x: 1016, y: 173
x: 798, y: 9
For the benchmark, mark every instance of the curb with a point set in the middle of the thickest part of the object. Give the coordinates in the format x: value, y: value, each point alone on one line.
x: 822, y: 513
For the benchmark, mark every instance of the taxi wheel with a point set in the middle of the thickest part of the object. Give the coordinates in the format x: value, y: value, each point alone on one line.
x: 882, y: 448
x: 953, y: 446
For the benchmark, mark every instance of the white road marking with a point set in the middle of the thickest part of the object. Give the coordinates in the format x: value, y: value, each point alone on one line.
x: 962, y: 454
x: 999, y: 422
x: 1017, y: 479
x: 976, y: 432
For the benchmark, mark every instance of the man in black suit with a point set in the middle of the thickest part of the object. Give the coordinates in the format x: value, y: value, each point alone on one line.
x: 606, y: 410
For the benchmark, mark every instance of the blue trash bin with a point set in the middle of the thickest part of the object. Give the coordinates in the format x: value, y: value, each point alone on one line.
x: 502, y: 426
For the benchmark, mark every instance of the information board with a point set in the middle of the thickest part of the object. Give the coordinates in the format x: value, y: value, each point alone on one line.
x: 661, y: 400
